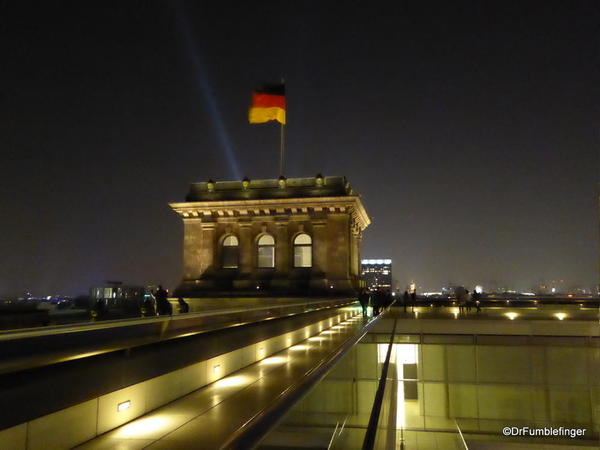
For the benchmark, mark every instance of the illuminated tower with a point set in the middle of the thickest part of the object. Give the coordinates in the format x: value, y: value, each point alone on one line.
x: 377, y: 273
x: 277, y: 237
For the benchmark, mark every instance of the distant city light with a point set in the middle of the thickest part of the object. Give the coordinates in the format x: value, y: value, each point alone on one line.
x: 376, y: 261
x: 479, y: 289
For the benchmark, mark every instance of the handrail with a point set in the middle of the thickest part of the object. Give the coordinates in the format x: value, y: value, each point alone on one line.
x: 462, y: 438
x: 154, y: 336
x: 18, y: 333
x: 371, y: 432
x: 250, y: 434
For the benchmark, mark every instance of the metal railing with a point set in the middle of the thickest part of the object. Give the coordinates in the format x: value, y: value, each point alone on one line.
x: 253, y: 431
x: 374, y: 420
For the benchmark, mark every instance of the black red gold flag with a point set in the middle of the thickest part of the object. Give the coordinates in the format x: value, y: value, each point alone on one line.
x: 268, y: 104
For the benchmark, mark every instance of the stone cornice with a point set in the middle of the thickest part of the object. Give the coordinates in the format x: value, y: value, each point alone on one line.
x: 275, y: 207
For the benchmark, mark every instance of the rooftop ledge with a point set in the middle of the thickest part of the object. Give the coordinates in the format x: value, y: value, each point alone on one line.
x: 279, y: 188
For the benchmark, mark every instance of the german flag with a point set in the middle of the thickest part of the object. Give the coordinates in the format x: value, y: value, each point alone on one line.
x: 268, y: 104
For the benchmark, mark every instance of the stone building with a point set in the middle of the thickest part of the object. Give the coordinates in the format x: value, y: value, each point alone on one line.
x: 277, y: 237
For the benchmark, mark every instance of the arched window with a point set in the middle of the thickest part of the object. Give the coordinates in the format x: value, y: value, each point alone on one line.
x: 230, y: 252
x: 303, y: 250
x: 266, y: 251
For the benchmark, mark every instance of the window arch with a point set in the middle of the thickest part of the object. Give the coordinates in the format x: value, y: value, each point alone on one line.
x: 230, y: 252
x: 303, y: 250
x: 266, y: 251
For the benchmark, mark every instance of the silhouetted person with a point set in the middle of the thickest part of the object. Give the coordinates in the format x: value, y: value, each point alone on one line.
x: 468, y: 300
x: 363, y: 298
x: 387, y: 298
x: 162, y: 304
x: 183, y: 306
x: 461, y: 297
x: 413, y: 300
x: 477, y: 300
x: 405, y: 300
x: 378, y: 301
x: 100, y: 309
x: 148, y: 307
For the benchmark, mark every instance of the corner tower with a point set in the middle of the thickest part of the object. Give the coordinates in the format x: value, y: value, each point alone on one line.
x: 278, y: 237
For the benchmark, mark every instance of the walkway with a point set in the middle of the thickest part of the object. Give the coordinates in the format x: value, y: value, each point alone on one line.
x: 208, y: 417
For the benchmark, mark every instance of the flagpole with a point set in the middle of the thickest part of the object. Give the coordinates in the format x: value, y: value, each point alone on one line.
x: 282, y: 139
x: 282, y: 150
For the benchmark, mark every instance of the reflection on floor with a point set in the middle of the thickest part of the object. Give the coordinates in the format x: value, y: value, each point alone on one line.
x: 478, y: 386
x: 440, y: 384
x: 205, y: 418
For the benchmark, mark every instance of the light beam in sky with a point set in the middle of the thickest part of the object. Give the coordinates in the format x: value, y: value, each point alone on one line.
x: 203, y: 85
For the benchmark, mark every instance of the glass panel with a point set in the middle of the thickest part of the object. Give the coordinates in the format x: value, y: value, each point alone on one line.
x: 266, y: 239
x: 303, y: 239
x: 302, y: 256
x: 230, y: 257
x: 230, y: 241
x: 333, y: 414
x: 266, y: 256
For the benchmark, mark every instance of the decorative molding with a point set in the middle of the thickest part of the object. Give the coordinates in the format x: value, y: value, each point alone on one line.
x: 289, y: 208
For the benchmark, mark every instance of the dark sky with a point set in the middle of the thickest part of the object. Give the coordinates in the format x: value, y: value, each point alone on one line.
x: 470, y: 129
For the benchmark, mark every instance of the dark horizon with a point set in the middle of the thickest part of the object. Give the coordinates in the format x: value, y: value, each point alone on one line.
x: 470, y: 130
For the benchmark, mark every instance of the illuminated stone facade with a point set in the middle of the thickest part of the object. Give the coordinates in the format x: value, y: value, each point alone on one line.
x: 278, y: 237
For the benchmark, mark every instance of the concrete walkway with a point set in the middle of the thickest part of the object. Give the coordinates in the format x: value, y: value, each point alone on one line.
x: 206, y: 418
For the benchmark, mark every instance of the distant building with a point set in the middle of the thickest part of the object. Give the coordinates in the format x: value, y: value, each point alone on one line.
x: 277, y: 237
x: 377, y: 273
x: 115, y: 291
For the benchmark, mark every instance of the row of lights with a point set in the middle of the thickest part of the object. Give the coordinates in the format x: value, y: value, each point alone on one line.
x: 142, y: 426
x: 239, y: 379
x: 513, y: 315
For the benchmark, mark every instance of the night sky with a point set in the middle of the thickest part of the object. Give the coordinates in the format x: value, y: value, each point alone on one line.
x: 470, y: 130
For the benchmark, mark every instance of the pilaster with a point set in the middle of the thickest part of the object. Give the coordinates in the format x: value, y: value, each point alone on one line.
x: 208, y: 250
x: 246, y: 247
x: 282, y: 249
x: 320, y: 246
